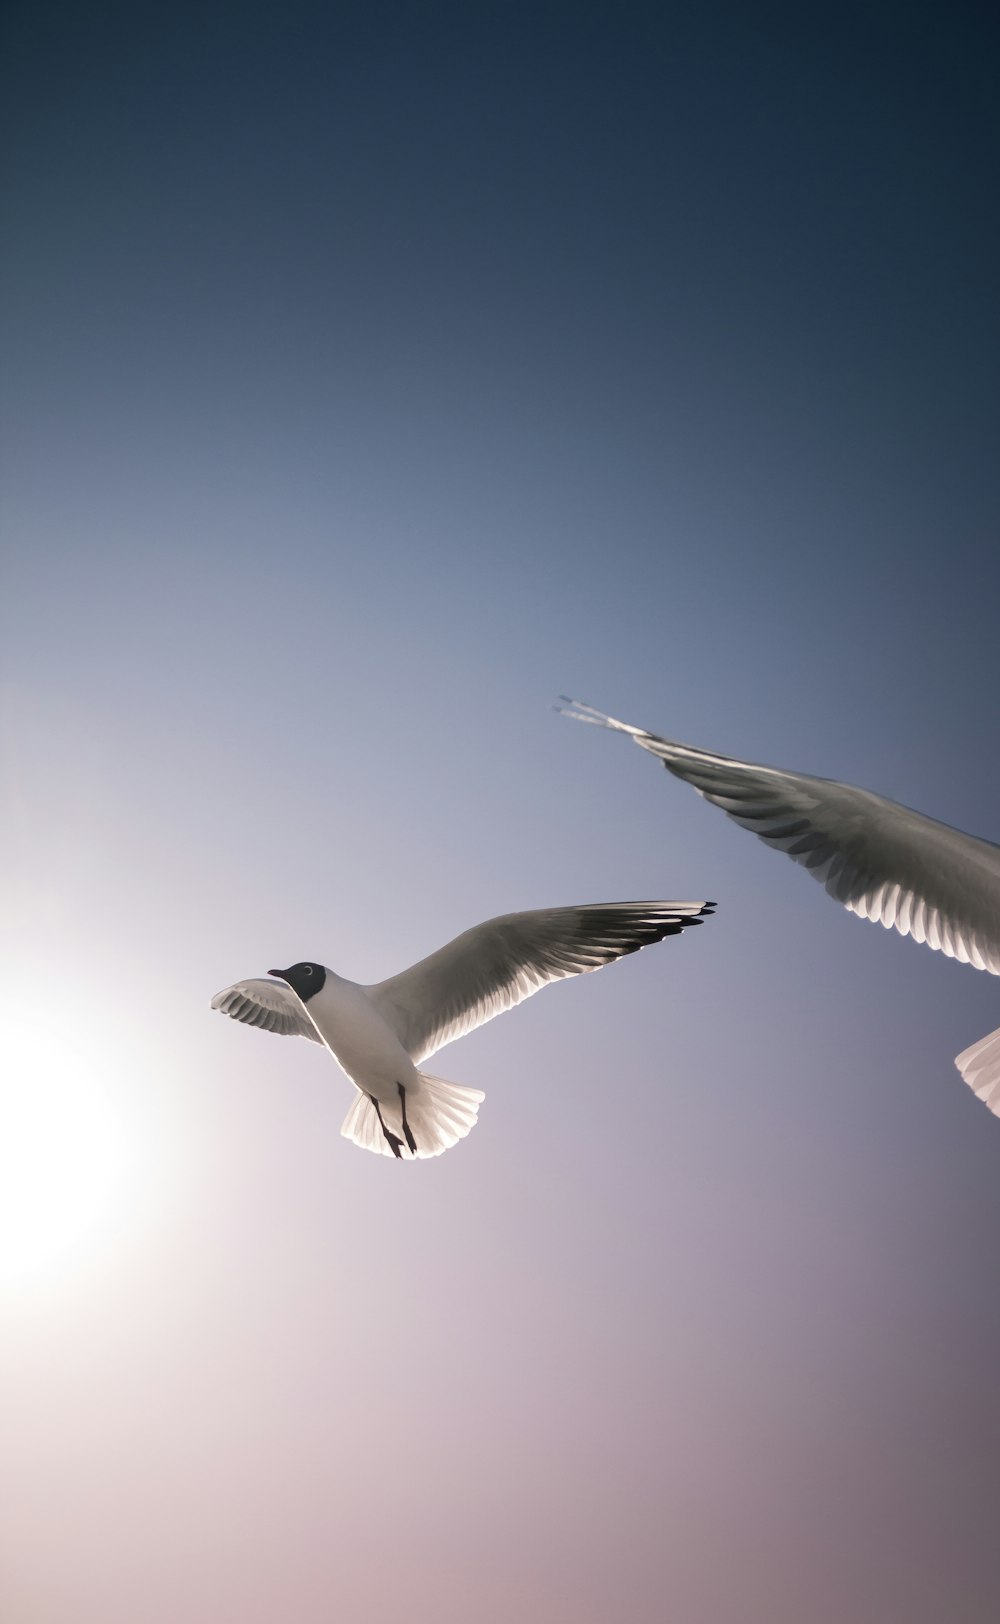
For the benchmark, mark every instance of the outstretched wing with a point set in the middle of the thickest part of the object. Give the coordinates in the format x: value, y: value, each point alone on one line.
x: 496, y: 965
x: 881, y: 860
x: 268, y: 1004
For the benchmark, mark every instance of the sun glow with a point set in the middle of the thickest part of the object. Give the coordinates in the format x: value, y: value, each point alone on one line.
x: 63, y: 1152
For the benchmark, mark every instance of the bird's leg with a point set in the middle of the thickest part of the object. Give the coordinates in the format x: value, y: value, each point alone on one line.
x: 406, y: 1126
x: 391, y: 1138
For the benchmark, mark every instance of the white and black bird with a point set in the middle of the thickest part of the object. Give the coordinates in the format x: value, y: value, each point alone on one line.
x: 881, y: 860
x: 380, y: 1035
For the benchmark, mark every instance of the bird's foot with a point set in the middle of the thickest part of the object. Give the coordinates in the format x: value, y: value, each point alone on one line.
x: 392, y: 1140
x: 407, y: 1130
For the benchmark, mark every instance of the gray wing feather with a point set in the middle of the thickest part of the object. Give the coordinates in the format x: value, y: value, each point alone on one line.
x: 883, y: 861
x: 269, y: 1005
x: 496, y: 965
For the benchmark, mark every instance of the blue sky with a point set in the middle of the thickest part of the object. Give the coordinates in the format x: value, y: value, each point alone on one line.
x: 373, y: 374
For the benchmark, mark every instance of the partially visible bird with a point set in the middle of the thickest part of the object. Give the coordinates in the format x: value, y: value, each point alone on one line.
x: 881, y: 860
x: 381, y: 1034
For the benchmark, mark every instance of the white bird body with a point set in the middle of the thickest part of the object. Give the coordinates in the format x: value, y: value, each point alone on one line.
x: 361, y: 1041
x: 380, y: 1035
x: 882, y: 861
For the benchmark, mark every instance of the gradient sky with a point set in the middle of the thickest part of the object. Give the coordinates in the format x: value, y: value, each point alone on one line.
x: 371, y: 375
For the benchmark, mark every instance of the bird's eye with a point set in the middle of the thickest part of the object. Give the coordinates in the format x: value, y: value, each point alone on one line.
x: 308, y: 969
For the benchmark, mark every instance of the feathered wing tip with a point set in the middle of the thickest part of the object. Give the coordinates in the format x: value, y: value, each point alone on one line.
x: 587, y: 713
x: 979, y: 1064
x: 438, y: 1114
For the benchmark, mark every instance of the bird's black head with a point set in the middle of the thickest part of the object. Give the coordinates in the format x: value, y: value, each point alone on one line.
x: 305, y: 979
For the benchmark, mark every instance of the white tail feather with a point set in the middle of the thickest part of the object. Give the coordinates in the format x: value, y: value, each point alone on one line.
x: 980, y: 1066
x: 438, y: 1114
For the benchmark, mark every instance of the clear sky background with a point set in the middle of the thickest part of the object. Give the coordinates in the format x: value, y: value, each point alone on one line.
x: 372, y: 373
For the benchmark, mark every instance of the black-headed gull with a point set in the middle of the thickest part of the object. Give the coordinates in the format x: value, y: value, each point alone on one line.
x: 381, y: 1034
x: 881, y: 860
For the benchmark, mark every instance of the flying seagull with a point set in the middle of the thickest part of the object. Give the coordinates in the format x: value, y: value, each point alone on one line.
x: 381, y: 1034
x: 881, y: 860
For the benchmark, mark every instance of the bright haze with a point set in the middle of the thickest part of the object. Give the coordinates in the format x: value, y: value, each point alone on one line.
x: 372, y: 374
